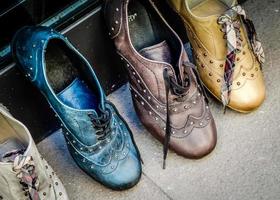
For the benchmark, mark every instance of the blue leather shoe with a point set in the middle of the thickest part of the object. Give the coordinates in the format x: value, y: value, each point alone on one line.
x: 98, y: 138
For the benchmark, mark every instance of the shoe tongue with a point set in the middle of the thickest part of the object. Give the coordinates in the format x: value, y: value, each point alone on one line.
x: 158, y: 52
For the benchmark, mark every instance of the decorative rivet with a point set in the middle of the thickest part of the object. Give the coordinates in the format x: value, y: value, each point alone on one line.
x: 142, y: 103
x: 109, y: 33
x: 50, y: 185
x: 173, y: 132
x: 237, y: 58
x: 149, y: 97
x: 120, y: 123
x: 207, y: 107
x: 150, y: 113
x: 185, y: 131
x: 164, y: 129
x: 194, y: 102
x: 257, y: 69
x: 218, y: 80
x: 116, y: 22
x: 144, y: 91
x: 207, y: 118
x: 42, y: 41
x: 112, y: 167
x: 198, y: 94
x: 133, y: 73
x: 157, y: 106
x: 204, y: 54
x: 200, y: 124
x: 252, y: 75
x: 138, y: 81
x: 238, y: 83
x: 243, y: 52
x: 56, y: 183
x: 211, y: 61
x: 30, y: 56
x: 191, y: 123
x: 174, y: 109
x: 46, y: 167
x: 136, y: 95
x: 81, y: 148
x: 186, y: 107
x: 50, y: 176
x: 243, y: 74
x: 117, y: 9
x: 121, y: 58
x: 156, y: 118
x: 44, y: 193
x: 60, y: 193
x: 112, y: 28
x: 221, y: 65
x: 202, y: 65
x: 210, y: 74
x: 30, y: 68
x: 91, y: 166
x: 127, y: 65
x: 99, y: 147
x: 34, y: 45
x: 74, y: 141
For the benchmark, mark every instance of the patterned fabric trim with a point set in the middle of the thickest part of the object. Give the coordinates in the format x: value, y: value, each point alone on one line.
x: 231, y: 28
x: 24, y: 168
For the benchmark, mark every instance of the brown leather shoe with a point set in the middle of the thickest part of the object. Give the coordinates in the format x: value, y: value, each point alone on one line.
x: 161, y: 77
x: 227, y: 51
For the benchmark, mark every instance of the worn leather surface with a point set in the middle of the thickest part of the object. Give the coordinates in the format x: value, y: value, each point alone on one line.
x: 114, y: 160
x: 50, y: 186
x: 209, y: 44
x: 192, y: 125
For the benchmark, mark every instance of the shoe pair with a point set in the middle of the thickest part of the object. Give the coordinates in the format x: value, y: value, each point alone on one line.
x: 168, y: 95
x: 97, y: 137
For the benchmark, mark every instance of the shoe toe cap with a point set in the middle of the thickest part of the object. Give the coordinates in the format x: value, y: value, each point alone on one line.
x: 126, y: 175
x: 249, y: 97
x: 199, y: 143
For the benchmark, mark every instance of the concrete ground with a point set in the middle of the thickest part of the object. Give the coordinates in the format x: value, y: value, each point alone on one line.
x: 244, y: 166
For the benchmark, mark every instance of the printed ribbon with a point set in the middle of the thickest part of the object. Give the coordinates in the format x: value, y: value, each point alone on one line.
x: 231, y: 27
x: 25, y: 170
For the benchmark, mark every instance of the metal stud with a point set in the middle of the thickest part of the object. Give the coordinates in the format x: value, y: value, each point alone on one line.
x: 30, y: 56
x: 91, y: 166
x: 194, y: 102
x: 218, y: 80
x: 238, y: 83
x: 74, y: 141
x: 150, y: 113
x: 164, y: 129
x: 252, y: 75
x: 149, y: 97
x: 173, y: 132
x: 207, y: 107
x: 198, y: 94
x: 136, y: 95
x: 174, y: 109
x: 207, y: 118
x: 34, y: 45
x: 211, y: 61
x: 112, y: 167
x: 200, y: 124
x: 210, y: 74
x: 116, y: 22
x: 221, y: 65
x: 157, y: 106
x: 112, y: 28
x: 191, y: 123
x: 84, y: 160
x: 138, y: 81
x: 156, y: 118
x: 144, y: 91
x: 127, y: 65
x: 117, y: 9
x: 142, y: 102
x: 204, y: 54
x: 133, y: 73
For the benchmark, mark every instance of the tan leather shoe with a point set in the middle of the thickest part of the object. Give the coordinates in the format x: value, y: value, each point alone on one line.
x: 227, y: 51
x: 167, y: 96
x: 24, y: 174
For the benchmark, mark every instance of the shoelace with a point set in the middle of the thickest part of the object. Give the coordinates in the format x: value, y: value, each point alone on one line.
x: 231, y: 28
x: 24, y: 168
x: 181, y: 92
x: 101, y: 123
